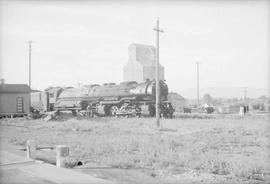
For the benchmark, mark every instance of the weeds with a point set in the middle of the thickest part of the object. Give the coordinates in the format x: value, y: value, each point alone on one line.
x: 208, y: 145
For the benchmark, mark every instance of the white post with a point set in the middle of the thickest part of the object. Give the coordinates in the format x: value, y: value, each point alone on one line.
x: 31, y: 149
x: 62, y: 153
x: 241, y: 111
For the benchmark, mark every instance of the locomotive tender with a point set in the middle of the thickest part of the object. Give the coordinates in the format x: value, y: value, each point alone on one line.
x: 111, y: 99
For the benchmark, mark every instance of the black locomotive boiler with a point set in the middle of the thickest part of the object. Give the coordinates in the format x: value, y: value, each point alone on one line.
x: 111, y: 99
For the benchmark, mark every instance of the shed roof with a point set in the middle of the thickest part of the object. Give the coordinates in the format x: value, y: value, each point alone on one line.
x: 175, y: 96
x: 14, y: 88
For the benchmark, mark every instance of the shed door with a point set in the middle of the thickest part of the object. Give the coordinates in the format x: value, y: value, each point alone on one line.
x: 19, y: 101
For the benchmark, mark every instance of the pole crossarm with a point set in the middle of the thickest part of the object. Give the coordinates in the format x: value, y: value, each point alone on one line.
x: 159, y: 30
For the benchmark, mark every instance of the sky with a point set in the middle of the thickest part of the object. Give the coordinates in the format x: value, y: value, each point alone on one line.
x: 87, y: 41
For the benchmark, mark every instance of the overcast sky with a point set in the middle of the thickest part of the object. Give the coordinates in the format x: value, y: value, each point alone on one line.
x: 87, y: 41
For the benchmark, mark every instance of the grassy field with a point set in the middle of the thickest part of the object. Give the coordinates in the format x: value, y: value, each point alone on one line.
x: 190, y: 148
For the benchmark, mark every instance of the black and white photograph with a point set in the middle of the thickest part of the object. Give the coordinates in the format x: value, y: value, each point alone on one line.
x: 134, y: 92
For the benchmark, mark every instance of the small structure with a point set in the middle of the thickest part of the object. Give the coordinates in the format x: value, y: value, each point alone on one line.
x: 241, y: 111
x: 14, y: 99
x: 141, y: 64
x: 178, y: 102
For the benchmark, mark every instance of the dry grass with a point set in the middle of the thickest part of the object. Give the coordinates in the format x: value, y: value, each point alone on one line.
x: 235, y: 149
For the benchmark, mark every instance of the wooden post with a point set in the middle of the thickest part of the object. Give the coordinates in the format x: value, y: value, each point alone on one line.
x: 62, y: 153
x: 158, y: 30
x: 31, y: 149
x: 198, y: 85
x: 30, y: 58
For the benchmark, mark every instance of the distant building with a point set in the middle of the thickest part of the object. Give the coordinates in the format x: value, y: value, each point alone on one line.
x: 142, y: 64
x: 178, y: 102
x: 14, y: 99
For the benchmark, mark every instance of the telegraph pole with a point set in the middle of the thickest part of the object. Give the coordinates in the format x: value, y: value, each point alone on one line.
x: 198, y: 85
x: 245, y: 94
x: 30, y: 57
x: 157, y: 75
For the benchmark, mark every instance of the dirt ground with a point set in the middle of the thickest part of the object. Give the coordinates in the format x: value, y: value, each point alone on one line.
x: 189, y: 149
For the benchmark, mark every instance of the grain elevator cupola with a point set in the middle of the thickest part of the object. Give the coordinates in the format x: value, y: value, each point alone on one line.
x: 141, y: 63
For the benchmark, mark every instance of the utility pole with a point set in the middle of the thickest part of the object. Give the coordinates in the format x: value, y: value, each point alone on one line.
x: 245, y: 94
x: 157, y: 76
x: 30, y: 57
x: 198, y: 85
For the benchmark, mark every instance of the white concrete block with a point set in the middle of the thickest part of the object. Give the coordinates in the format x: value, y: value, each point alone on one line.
x: 62, y: 154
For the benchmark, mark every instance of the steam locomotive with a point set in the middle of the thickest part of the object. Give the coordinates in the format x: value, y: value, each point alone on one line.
x: 109, y: 99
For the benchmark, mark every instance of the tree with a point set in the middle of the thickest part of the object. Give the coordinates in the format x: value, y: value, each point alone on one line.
x: 263, y: 97
x: 207, y: 99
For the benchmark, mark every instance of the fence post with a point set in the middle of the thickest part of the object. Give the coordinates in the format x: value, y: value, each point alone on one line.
x: 31, y: 149
x: 62, y: 153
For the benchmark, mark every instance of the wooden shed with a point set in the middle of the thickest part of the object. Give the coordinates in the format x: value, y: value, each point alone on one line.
x: 14, y: 99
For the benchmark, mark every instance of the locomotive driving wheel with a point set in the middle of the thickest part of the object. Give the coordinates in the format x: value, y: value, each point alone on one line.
x: 107, y: 110
x: 152, y: 110
x: 113, y: 110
